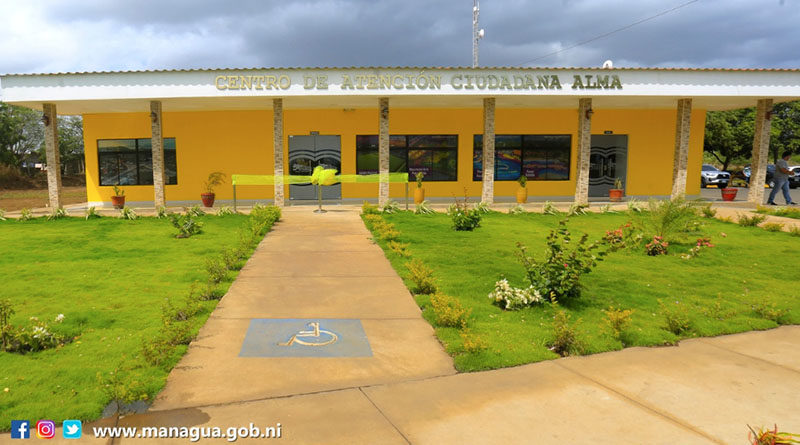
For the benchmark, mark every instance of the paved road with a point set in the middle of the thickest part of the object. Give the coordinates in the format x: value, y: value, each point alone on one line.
x: 713, y: 194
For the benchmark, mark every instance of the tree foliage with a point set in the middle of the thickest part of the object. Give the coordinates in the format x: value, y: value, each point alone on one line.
x: 22, y: 136
x: 729, y: 134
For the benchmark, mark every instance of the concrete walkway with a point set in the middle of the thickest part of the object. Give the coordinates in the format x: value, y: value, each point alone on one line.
x: 324, y: 266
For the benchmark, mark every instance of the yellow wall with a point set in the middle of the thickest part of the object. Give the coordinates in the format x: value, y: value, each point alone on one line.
x: 240, y: 142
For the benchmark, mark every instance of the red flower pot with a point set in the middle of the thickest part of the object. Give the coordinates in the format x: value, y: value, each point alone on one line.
x: 728, y: 194
x: 615, y: 195
x: 208, y: 199
x: 118, y: 202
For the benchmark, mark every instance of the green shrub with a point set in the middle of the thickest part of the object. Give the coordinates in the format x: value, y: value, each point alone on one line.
x: 676, y: 317
x: 422, y: 277
x: 769, y: 310
x: 58, y: 213
x: 187, y: 309
x: 186, y: 225
x: 672, y: 220
x: 224, y: 211
x: 91, y: 213
x: 482, y: 207
x: 558, y: 274
x: 577, y: 209
x: 773, y: 227
x: 161, y: 212
x: 517, y: 210
x: 194, y: 210
x: 708, y: 212
x: 26, y: 214
x: 464, y: 218
x: 512, y: 298
x: 390, y: 207
x: 794, y: 231
x: 656, y: 247
x: 550, y: 209
x: 565, y: 339
x: 35, y: 337
x: 751, y: 221
x: 606, y: 208
x: 216, y: 270
x: 471, y: 342
x: 369, y: 209
x: 635, y: 206
x: 128, y: 213
x: 230, y: 257
x: 448, y: 311
x: 399, y: 248
x: 618, y: 320
x: 6, y: 311
x: 423, y: 208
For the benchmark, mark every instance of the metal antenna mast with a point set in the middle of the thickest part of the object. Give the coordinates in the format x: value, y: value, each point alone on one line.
x: 477, y: 34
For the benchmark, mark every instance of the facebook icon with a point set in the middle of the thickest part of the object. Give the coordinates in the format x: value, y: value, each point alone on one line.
x: 20, y: 429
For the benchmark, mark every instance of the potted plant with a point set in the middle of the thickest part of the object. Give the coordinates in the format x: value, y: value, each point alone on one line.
x: 118, y: 199
x: 729, y: 193
x: 214, y: 179
x: 419, y: 192
x: 615, y: 194
x: 522, y: 191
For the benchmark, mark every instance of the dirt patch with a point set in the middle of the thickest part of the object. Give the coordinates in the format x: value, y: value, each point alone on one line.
x: 11, y: 200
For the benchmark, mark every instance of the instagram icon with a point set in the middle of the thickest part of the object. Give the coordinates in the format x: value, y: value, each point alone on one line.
x: 45, y: 429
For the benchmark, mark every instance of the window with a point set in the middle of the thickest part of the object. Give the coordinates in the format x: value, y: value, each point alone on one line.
x: 434, y: 155
x: 540, y: 157
x: 130, y: 161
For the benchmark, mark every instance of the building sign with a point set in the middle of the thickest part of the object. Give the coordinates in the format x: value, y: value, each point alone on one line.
x: 457, y: 81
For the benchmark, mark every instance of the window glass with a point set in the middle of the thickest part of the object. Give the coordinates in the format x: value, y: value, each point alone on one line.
x: 130, y: 161
x: 434, y: 155
x: 538, y: 157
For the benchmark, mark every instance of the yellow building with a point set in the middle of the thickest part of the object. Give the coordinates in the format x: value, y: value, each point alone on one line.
x: 570, y: 132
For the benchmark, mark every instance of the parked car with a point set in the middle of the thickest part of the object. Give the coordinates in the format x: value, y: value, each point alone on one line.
x: 767, y: 180
x: 794, y: 181
x: 710, y: 175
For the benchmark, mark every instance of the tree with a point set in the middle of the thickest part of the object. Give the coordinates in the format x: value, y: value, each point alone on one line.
x: 785, y: 134
x: 21, y: 133
x: 729, y: 135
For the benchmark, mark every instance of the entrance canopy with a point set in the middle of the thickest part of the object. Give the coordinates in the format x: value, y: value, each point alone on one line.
x: 408, y: 87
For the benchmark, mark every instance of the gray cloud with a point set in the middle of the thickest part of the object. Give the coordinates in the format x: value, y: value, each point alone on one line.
x: 150, y: 34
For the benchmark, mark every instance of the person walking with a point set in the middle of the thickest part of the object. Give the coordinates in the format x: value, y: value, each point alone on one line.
x: 781, y: 179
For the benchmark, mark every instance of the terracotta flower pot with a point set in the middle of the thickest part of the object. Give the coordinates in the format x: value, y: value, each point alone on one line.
x: 615, y: 195
x: 522, y: 195
x: 118, y: 202
x: 729, y: 193
x: 208, y: 199
x: 419, y: 195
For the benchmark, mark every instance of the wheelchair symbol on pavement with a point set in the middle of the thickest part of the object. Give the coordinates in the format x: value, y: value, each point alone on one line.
x: 319, y: 337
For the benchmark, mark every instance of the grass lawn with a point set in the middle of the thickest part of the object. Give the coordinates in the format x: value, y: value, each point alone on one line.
x: 786, y: 212
x: 719, y: 287
x: 110, y: 278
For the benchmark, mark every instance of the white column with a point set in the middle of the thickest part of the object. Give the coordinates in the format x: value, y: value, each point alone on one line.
x: 277, y: 149
x: 584, y: 151
x: 681, y: 157
x: 383, y: 151
x: 487, y: 193
x: 53, y: 156
x: 157, y: 146
x: 758, y: 167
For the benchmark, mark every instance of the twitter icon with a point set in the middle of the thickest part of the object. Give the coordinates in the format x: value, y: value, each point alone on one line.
x: 72, y: 429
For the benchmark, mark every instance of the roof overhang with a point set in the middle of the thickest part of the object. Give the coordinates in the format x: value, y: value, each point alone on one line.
x: 407, y: 87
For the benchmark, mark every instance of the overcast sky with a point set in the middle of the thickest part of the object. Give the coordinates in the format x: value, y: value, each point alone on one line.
x: 98, y: 35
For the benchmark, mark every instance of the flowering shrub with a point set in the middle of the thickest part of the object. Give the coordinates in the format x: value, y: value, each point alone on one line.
x: 702, y: 243
x: 513, y: 298
x: 656, y: 247
x: 35, y: 337
x: 463, y: 217
x: 558, y: 274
